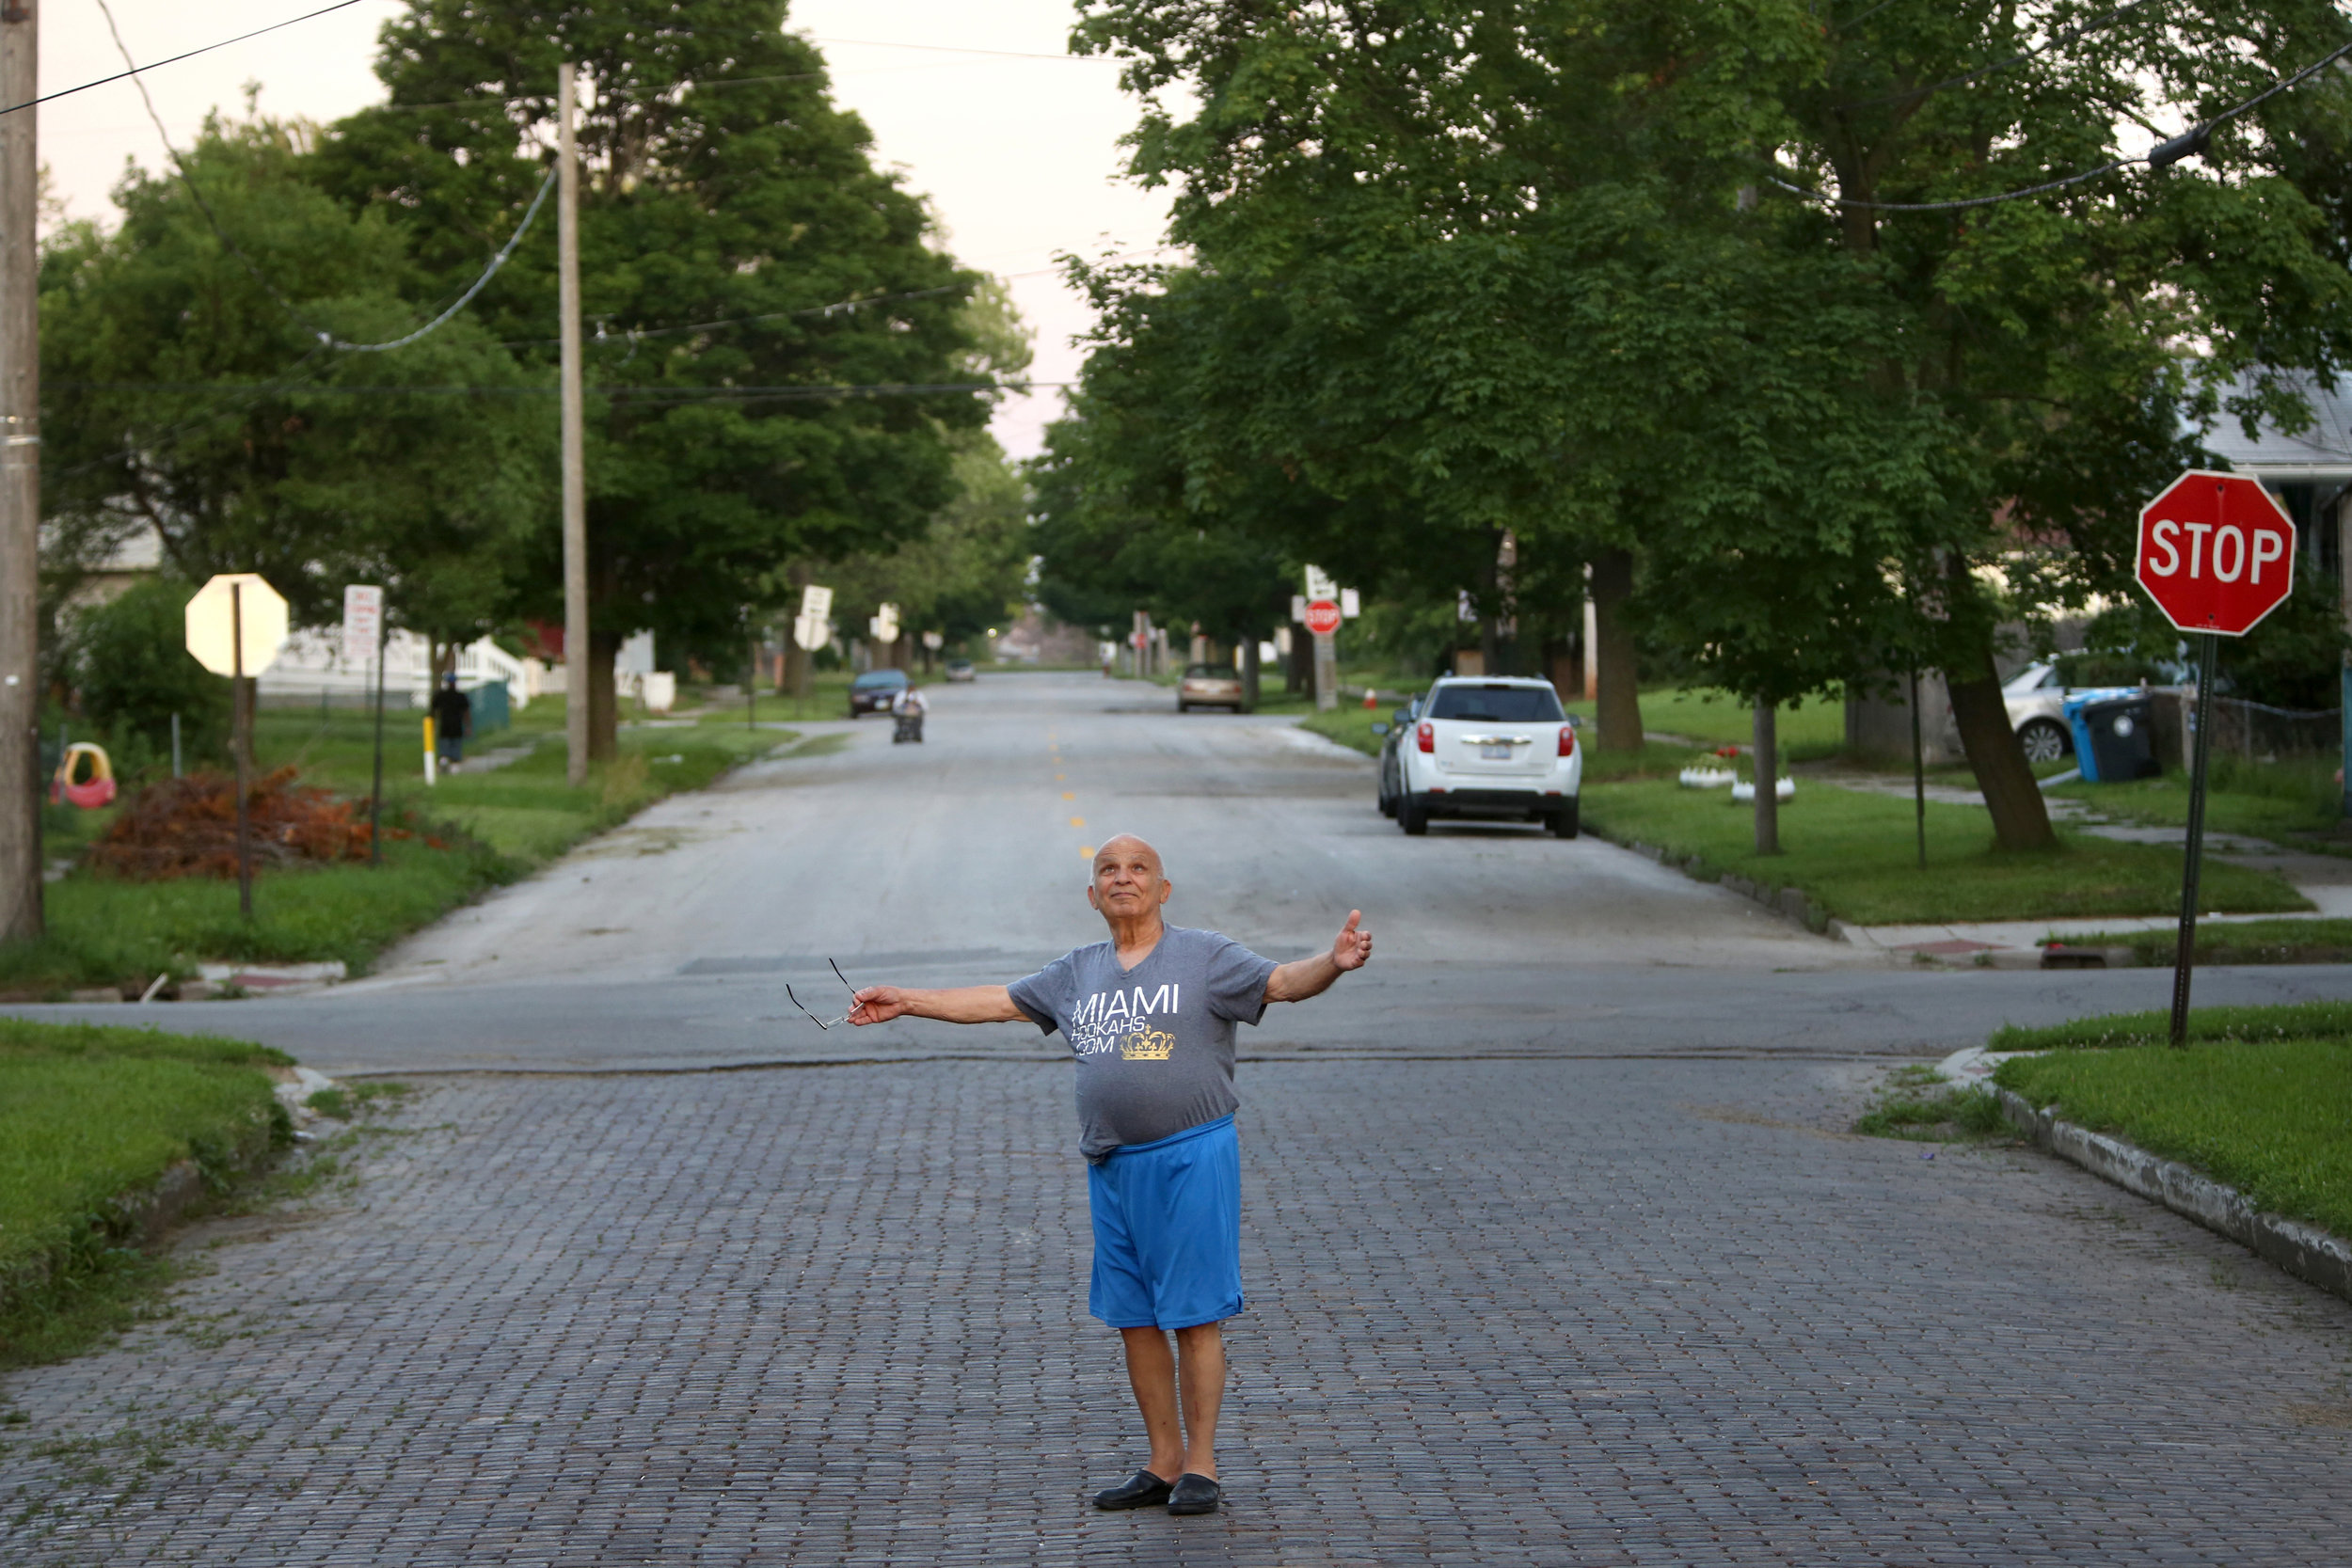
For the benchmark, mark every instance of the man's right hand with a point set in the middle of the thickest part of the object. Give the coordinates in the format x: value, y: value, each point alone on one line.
x: 963, y: 1004
x: 878, y: 1004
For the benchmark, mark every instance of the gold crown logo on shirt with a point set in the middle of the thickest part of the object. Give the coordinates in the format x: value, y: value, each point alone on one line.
x: 1147, y: 1045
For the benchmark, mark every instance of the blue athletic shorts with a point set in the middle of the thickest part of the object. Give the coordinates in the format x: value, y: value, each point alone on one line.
x: 1168, y: 1231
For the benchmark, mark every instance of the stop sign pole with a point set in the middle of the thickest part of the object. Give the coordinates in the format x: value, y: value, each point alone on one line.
x: 2217, y: 554
x: 1323, y: 621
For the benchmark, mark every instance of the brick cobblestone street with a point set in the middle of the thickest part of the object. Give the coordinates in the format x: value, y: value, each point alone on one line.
x: 1502, y: 1311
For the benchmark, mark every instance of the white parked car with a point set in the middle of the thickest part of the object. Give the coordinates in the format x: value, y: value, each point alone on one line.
x: 1490, y: 747
x: 2036, y: 697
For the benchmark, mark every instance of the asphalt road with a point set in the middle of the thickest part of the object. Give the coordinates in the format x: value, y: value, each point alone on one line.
x: 1556, y: 1246
x: 669, y: 943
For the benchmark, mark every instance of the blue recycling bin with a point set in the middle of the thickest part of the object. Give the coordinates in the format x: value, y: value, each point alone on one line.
x: 2114, y: 734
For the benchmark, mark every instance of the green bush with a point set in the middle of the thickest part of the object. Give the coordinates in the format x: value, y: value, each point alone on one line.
x: 128, y: 662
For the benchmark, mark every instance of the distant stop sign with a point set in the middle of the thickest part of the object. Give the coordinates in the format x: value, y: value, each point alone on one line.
x: 1323, y: 617
x: 2215, y: 553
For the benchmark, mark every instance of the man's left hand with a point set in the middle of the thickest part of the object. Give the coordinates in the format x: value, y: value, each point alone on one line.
x: 1352, y: 948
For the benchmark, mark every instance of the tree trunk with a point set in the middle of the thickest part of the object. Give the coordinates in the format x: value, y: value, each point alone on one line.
x: 1618, y: 703
x: 1766, y: 780
x: 2020, y: 818
x: 604, y: 707
x: 1300, y: 676
x: 1250, y: 672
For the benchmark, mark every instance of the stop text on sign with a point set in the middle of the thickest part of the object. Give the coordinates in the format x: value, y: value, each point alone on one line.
x: 2232, y: 555
x: 2216, y: 553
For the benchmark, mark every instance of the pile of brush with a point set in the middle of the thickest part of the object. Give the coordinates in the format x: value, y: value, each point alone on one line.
x: 188, y: 828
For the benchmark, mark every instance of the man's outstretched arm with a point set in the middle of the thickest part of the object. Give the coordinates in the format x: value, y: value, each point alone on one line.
x: 961, y: 1004
x: 1301, y: 978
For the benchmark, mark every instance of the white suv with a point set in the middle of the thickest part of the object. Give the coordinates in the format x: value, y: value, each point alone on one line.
x: 1489, y: 747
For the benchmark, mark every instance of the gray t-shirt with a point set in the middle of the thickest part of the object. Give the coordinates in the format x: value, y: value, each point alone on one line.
x: 1155, y: 1043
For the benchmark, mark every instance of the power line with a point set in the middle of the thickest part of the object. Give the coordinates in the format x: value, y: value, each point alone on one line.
x: 950, y: 49
x: 632, y: 335
x: 472, y: 289
x: 647, y: 393
x: 155, y: 65
x: 2163, y: 154
x: 326, y: 337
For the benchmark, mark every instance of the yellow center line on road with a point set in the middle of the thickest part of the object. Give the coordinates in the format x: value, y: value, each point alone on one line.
x: 1087, y: 850
x: 1077, y: 821
x: 1068, y: 795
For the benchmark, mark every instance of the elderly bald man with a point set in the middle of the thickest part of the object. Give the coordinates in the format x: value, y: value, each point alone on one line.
x: 1150, y: 1017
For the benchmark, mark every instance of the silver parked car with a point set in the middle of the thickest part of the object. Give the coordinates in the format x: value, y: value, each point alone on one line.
x: 2036, y: 695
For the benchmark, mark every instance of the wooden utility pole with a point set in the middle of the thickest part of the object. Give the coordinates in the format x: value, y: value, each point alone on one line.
x: 577, y: 656
x: 19, y: 480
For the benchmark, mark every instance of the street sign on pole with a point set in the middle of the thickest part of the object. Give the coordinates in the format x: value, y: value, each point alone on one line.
x: 816, y: 603
x: 1350, y: 605
x: 235, y: 614
x: 363, y: 618
x: 1323, y: 620
x: 811, y: 632
x: 236, y: 623
x: 883, y: 623
x: 1320, y: 584
x: 934, y: 640
x: 2217, y: 554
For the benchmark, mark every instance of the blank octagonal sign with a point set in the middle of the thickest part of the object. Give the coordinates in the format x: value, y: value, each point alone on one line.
x: 259, y: 609
x: 2217, y: 552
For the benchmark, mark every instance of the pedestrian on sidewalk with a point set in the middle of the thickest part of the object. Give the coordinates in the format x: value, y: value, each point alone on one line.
x: 453, y: 716
x: 1149, y: 1016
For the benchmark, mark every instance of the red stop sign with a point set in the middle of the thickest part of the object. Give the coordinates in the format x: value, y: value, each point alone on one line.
x: 1323, y: 617
x: 2215, y: 552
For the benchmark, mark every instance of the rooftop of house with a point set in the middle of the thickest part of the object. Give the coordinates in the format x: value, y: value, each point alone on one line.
x: 2319, y: 453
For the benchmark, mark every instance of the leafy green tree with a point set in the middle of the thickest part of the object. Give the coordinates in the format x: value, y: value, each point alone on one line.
x: 1512, y: 263
x: 963, y: 575
x: 741, y: 261
x: 127, y: 664
x: 185, y: 391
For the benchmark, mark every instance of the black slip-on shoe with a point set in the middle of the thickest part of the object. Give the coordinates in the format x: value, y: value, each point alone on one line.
x: 1195, y: 1495
x: 1141, y: 1490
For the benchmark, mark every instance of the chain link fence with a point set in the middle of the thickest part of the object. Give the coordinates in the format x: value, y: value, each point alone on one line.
x: 2260, y: 733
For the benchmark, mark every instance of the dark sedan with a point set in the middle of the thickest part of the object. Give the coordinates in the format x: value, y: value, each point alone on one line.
x: 875, y: 690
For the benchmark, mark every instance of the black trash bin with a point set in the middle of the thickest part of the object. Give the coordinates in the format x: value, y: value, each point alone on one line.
x: 2122, y: 733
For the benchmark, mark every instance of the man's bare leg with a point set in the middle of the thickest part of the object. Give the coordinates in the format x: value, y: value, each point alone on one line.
x: 1151, y: 1373
x: 1201, y: 1351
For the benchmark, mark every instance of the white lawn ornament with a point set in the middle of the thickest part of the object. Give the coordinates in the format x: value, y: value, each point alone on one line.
x: 1707, y: 778
x: 1782, y: 791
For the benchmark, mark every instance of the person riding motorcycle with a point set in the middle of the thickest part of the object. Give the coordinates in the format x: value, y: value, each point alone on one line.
x: 909, y: 707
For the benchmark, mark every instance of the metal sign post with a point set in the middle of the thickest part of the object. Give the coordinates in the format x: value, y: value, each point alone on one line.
x: 1323, y: 620
x: 2203, y: 546
x: 376, y: 797
x: 241, y: 719
x: 236, y: 623
x: 2185, y: 951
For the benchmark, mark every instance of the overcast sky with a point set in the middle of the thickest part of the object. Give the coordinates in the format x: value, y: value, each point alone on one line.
x: 1019, y: 155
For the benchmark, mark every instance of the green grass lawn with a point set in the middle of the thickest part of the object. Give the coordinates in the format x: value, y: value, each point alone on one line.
x: 1805, y: 731
x: 89, y: 1114
x: 2261, y: 1099
x: 2240, y: 941
x: 1855, y: 855
x: 495, y: 825
x: 2283, y: 801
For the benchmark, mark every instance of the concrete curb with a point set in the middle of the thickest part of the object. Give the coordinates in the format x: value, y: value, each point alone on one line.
x: 2307, y: 1252
x: 1788, y: 903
